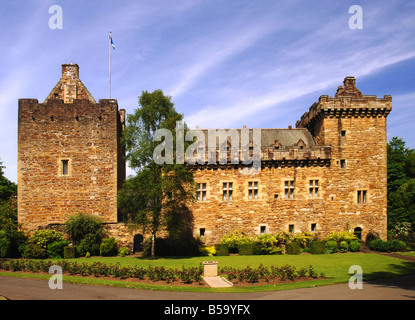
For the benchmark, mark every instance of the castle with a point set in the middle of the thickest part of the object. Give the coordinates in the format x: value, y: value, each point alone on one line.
x: 329, y: 173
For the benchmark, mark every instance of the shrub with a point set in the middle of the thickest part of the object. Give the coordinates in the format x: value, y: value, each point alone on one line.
x: 207, y: 251
x: 108, y: 247
x: 387, y: 246
x: 331, y: 246
x: 69, y: 252
x: 303, y: 238
x: 354, y: 246
x: 222, y: 249
x: 340, y: 236
x: 234, y: 239
x: 55, y: 249
x: 90, y: 243
x: 292, y: 248
x: 33, y: 251
x: 81, y: 225
x: 343, y: 247
x: 5, y: 244
x: 246, y: 249
x: 123, y: 251
x: 43, y: 238
x: 317, y: 247
x: 372, y: 235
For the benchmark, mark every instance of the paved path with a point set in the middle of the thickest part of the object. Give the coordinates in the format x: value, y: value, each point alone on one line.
x: 399, y: 288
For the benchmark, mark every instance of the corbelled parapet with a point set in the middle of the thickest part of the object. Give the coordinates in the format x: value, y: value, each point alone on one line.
x: 348, y: 102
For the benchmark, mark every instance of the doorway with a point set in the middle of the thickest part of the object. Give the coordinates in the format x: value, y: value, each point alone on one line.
x: 138, y: 243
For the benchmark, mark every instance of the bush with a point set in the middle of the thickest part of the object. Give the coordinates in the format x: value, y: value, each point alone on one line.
x: 55, y: 249
x: 292, y: 248
x: 340, y: 236
x: 303, y: 238
x: 343, y: 247
x: 222, y: 249
x: 108, y: 247
x: 331, y: 246
x: 69, y: 252
x: 34, y: 251
x: 89, y: 244
x: 317, y: 247
x: 372, y: 235
x: 81, y: 225
x: 5, y: 244
x: 246, y: 249
x: 234, y: 239
x: 123, y: 251
x: 43, y: 238
x: 207, y: 251
x: 387, y: 246
x: 354, y: 246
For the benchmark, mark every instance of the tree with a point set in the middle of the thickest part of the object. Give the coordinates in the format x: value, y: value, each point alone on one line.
x: 8, y: 189
x: 401, y: 183
x: 158, y: 192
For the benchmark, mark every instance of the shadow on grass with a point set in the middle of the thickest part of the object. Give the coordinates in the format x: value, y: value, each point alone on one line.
x: 399, y: 276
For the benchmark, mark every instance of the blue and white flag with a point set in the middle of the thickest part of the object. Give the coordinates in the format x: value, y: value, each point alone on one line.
x: 112, y: 44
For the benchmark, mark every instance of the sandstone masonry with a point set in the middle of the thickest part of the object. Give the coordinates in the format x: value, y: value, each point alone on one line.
x: 327, y: 174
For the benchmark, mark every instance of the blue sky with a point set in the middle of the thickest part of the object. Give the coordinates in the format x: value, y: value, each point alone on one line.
x: 226, y: 63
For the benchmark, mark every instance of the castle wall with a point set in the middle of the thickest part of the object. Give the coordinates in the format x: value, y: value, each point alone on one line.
x: 85, y: 135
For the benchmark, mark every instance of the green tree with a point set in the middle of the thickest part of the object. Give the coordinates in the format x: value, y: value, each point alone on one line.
x: 401, y: 183
x: 156, y: 196
x: 8, y: 189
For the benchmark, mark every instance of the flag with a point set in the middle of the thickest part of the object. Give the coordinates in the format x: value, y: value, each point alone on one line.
x: 112, y: 42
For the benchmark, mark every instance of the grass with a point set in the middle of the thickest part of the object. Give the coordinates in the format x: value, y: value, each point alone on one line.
x: 335, y: 267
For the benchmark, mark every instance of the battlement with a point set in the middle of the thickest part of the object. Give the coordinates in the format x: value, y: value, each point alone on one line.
x: 348, y: 102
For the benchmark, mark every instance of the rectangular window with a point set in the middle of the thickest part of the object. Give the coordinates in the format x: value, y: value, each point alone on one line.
x: 202, y: 232
x: 343, y: 164
x: 201, y: 191
x: 262, y: 229
x: 291, y: 228
x: 227, y: 190
x: 343, y: 133
x: 289, y: 189
x: 313, y: 227
x: 253, y: 190
x: 313, y: 188
x: 361, y: 196
x: 65, y: 167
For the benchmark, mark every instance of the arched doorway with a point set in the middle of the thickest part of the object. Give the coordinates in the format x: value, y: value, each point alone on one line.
x: 138, y: 243
x: 358, y: 232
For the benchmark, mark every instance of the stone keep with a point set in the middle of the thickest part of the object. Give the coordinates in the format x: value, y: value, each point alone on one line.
x: 70, y: 158
x: 327, y: 174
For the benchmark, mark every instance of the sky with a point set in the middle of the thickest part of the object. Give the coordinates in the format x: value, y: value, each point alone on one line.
x: 225, y: 63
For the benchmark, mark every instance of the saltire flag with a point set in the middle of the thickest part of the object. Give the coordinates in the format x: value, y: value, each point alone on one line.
x: 112, y: 43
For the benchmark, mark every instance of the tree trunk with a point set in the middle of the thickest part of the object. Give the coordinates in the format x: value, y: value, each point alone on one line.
x: 153, y: 244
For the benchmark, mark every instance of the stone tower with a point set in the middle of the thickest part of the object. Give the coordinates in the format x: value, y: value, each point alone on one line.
x: 70, y: 158
x: 354, y: 125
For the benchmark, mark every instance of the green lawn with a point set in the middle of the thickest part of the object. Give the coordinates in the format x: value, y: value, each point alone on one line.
x: 334, y: 266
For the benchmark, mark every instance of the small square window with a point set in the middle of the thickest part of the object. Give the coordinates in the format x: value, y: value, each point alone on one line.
x: 291, y: 228
x: 275, y: 196
x: 263, y: 229
x: 313, y: 227
x: 202, y: 232
x: 343, y: 133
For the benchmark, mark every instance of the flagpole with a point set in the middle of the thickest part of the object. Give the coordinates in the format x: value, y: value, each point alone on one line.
x: 109, y: 84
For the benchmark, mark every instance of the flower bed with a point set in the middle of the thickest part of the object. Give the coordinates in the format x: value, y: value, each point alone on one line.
x: 157, y: 275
